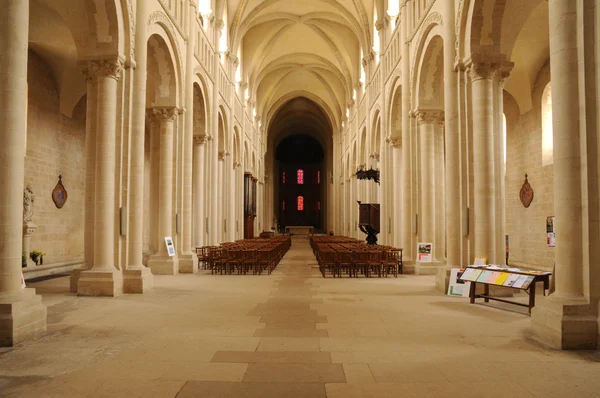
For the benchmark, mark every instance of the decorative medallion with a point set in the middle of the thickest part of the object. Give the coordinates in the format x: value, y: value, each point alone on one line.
x: 59, y: 194
x: 526, y: 194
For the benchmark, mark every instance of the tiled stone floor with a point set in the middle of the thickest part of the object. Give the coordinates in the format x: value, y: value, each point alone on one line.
x: 291, y: 334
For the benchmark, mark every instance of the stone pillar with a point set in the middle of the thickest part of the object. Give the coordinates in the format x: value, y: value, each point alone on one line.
x: 136, y: 277
x: 222, y: 194
x: 231, y: 217
x: 90, y: 176
x: 427, y: 125
x: 199, y: 186
x: 396, y: 176
x: 481, y: 70
x: 154, y: 241
x: 104, y: 279
x: 214, y: 195
x: 23, y: 314
x: 161, y: 263
x: 566, y: 319
x: 187, y: 258
x: 406, y: 229
x: 453, y: 198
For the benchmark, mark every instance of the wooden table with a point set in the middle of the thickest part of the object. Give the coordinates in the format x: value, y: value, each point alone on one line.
x: 532, y: 276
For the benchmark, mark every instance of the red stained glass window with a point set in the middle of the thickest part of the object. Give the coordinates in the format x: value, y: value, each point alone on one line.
x: 318, y: 176
x: 300, y: 203
x: 319, y: 205
x: 300, y: 177
x: 283, y: 177
x: 283, y: 205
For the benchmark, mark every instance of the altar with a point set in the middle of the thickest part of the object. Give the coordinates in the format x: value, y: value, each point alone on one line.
x: 299, y: 229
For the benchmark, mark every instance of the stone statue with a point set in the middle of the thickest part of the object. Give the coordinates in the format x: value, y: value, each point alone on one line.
x: 28, y: 199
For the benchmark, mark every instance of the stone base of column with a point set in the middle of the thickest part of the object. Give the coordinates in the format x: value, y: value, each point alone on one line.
x: 162, y: 264
x: 565, y: 324
x: 188, y: 263
x: 442, y: 279
x: 431, y: 268
x: 22, y: 317
x: 74, y: 280
x: 101, y: 282
x: 137, y: 280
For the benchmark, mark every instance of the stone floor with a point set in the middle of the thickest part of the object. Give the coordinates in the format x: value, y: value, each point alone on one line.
x: 291, y: 334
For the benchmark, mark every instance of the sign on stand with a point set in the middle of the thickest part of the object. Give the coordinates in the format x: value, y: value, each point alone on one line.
x: 170, y: 246
x: 457, y: 287
x: 425, y: 252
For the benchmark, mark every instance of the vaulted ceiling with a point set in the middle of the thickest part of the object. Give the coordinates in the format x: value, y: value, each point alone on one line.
x: 301, y: 48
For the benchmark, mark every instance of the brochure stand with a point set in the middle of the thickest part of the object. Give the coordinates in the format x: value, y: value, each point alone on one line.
x: 507, y: 277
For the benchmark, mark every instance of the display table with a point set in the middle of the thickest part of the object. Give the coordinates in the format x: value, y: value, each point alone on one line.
x: 299, y: 229
x: 513, y: 278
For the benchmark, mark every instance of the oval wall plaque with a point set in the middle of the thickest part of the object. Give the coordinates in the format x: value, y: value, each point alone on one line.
x: 59, y: 194
x: 526, y: 194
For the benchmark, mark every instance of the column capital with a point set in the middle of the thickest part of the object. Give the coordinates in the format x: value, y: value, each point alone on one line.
x: 487, y: 65
x: 375, y: 155
x: 222, y: 155
x: 199, y: 140
x: 106, y: 68
x: 165, y: 114
x: 429, y: 116
x: 395, y: 142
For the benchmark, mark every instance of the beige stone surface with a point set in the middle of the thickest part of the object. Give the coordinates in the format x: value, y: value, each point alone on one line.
x: 193, y: 336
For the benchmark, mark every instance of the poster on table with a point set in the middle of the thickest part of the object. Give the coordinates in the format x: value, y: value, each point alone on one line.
x: 170, y: 246
x: 458, y: 287
x: 551, y: 240
x: 424, y: 251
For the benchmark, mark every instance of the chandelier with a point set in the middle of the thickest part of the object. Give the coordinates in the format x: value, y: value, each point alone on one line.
x: 370, y: 174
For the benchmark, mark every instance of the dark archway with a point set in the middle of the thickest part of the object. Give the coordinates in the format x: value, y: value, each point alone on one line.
x: 300, y: 160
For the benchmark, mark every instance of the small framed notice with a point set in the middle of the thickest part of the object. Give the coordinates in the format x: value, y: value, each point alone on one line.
x: 424, y: 252
x: 551, y: 237
x: 170, y: 246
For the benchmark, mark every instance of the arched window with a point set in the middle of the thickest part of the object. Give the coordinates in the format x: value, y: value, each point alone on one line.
x: 318, y: 176
x: 300, y: 203
x: 283, y: 177
x: 393, y: 11
x: 319, y: 205
x: 547, y: 144
x: 300, y: 176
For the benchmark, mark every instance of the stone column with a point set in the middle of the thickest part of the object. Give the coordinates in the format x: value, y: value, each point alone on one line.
x: 23, y: 314
x: 214, y: 195
x: 427, y: 120
x: 566, y: 319
x: 104, y: 279
x: 453, y: 198
x: 138, y: 278
x: 154, y: 241
x: 90, y: 176
x: 231, y: 217
x: 161, y: 263
x: 199, y: 188
x: 405, y: 181
x: 222, y: 194
x: 396, y: 175
x: 481, y: 71
x: 187, y: 258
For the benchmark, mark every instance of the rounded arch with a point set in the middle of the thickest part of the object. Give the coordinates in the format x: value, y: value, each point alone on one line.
x: 269, y: 116
x: 362, y: 159
x: 479, y: 24
x: 427, y: 79
x: 222, y: 130
x: 162, y: 32
x: 200, y: 112
x: 395, y: 113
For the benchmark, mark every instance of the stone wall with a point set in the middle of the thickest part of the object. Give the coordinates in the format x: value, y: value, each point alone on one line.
x: 55, y: 146
x: 526, y: 227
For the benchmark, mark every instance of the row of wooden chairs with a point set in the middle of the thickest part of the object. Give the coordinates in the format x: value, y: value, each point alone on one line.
x: 353, y: 259
x: 244, y: 256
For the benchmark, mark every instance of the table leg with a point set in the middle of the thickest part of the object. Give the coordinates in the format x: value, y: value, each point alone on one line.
x: 472, y: 292
x: 486, y: 291
x: 531, y: 296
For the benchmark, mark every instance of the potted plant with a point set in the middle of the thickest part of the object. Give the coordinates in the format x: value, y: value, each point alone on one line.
x: 37, y: 257
x: 23, y: 260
